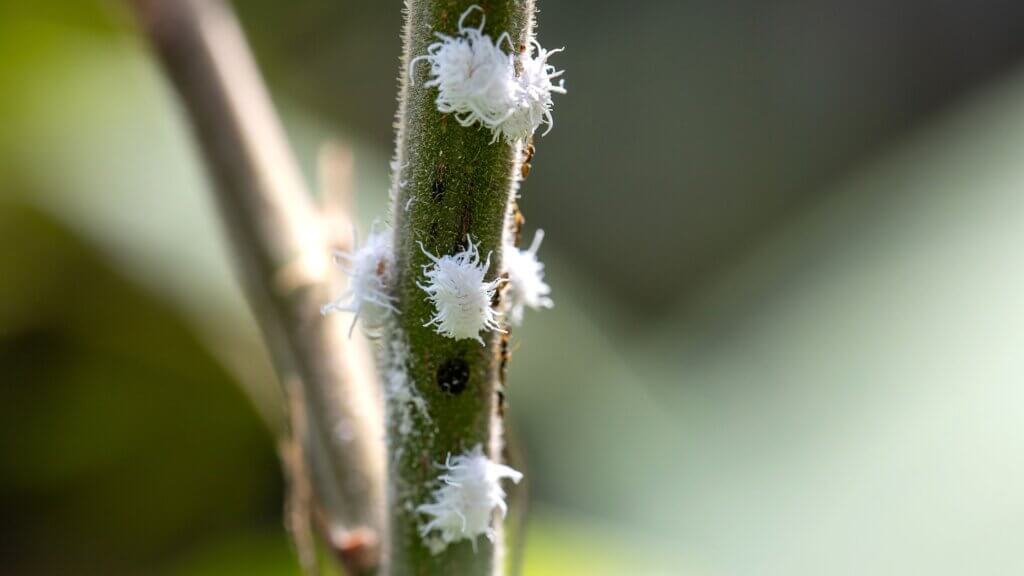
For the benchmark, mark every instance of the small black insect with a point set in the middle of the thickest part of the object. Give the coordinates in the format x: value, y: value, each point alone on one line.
x: 453, y: 376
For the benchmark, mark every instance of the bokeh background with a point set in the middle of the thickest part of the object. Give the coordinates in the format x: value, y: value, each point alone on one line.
x: 784, y: 240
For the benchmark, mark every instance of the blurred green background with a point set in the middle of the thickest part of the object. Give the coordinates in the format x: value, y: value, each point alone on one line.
x: 784, y: 241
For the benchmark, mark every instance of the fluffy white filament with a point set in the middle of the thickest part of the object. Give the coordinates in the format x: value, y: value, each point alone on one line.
x: 465, y: 502
x: 478, y: 82
x: 526, y: 286
x: 368, y: 268
x: 471, y: 74
x: 532, y: 102
x: 461, y: 298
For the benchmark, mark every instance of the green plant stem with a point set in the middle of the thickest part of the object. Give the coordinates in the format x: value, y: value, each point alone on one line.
x: 451, y: 181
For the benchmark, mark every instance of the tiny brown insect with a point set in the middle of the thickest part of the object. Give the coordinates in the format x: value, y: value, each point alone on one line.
x: 528, y: 152
x: 496, y: 299
x: 505, y: 352
x: 501, y: 404
x: 517, y: 224
x: 504, y: 355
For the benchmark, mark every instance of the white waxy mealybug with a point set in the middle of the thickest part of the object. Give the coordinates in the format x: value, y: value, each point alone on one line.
x: 462, y: 299
x: 479, y: 83
x: 368, y: 268
x: 471, y: 75
x: 532, y: 102
x: 463, y: 506
x: 526, y: 286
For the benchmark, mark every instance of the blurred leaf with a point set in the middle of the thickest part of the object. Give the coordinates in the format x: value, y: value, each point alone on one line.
x: 252, y: 554
x: 127, y: 440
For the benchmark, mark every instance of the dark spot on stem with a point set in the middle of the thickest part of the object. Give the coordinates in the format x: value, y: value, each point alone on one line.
x: 453, y: 376
x: 438, y: 186
x: 465, y: 224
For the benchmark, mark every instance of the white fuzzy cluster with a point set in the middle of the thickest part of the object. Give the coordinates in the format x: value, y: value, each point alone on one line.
x: 532, y: 98
x: 461, y: 298
x: 464, y: 504
x: 526, y: 286
x: 471, y: 74
x: 478, y: 82
x: 368, y: 268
